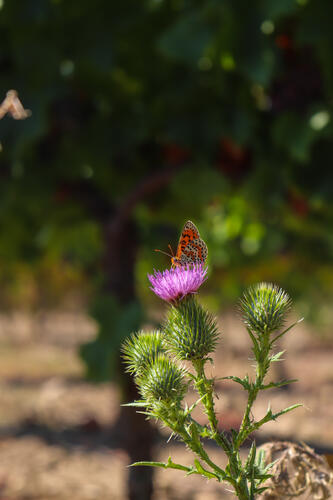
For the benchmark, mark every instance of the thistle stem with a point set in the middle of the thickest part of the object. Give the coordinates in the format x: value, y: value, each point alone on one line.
x: 262, y: 357
x: 194, y: 443
x: 205, y: 390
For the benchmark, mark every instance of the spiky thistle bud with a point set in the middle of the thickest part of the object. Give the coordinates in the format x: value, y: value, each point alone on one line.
x: 264, y: 308
x: 190, y: 332
x: 141, y: 350
x: 163, y: 382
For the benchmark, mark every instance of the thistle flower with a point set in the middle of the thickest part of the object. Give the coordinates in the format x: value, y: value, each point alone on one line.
x: 163, y: 382
x: 141, y: 350
x: 174, y: 284
x: 190, y: 332
x: 264, y: 308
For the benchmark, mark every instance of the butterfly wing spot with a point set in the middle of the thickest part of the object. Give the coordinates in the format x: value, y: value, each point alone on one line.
x: 188, y: 234
x: 184, y: 240
x: 203, y: 249
x: 185, y: 259
x: 196, y: 251
x: 192, y: 228
x: 191, y: 248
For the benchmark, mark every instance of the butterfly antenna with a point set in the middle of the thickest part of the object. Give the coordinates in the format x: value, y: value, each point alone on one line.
x: 170, y: 248
x: 161, y: 251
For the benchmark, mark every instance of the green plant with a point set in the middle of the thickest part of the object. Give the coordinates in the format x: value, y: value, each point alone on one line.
x: 190, y: 334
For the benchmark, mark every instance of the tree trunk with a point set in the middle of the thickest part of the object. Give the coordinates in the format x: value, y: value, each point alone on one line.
x: 121, y: 246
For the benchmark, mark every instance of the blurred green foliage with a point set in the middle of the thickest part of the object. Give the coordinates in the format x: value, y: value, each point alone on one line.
x: 235, y: 96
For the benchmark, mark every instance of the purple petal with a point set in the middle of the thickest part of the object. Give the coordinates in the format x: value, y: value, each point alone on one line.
x: 175, y: 283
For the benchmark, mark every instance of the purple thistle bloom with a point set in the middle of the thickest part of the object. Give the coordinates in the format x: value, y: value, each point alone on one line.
x: 175, y: 283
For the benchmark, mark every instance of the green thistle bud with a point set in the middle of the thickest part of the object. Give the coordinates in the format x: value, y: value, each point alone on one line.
x: 163, y: 382
x: 190, y: 332
x: 141, y: 351
x: 264, y: 308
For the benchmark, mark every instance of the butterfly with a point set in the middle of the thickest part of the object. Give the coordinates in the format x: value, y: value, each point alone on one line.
x: 191, y: 248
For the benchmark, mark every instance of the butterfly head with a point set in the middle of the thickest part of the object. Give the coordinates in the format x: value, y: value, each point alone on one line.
x: 175, y: 261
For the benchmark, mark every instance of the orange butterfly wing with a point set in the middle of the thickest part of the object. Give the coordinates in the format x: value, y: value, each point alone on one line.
x: 191, y: 248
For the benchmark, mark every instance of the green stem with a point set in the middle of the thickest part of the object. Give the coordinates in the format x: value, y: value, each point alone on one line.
x: 242, y: 490
x: 246, y: 418
x: 194, y: 443
x: 262, y: 358
x: 205, y: 390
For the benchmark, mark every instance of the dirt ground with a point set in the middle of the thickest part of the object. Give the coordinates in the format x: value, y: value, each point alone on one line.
x: 56, y: 438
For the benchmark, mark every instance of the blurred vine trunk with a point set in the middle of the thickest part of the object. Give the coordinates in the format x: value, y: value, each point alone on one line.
x: 137, y: 435
x: 120, y: 236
